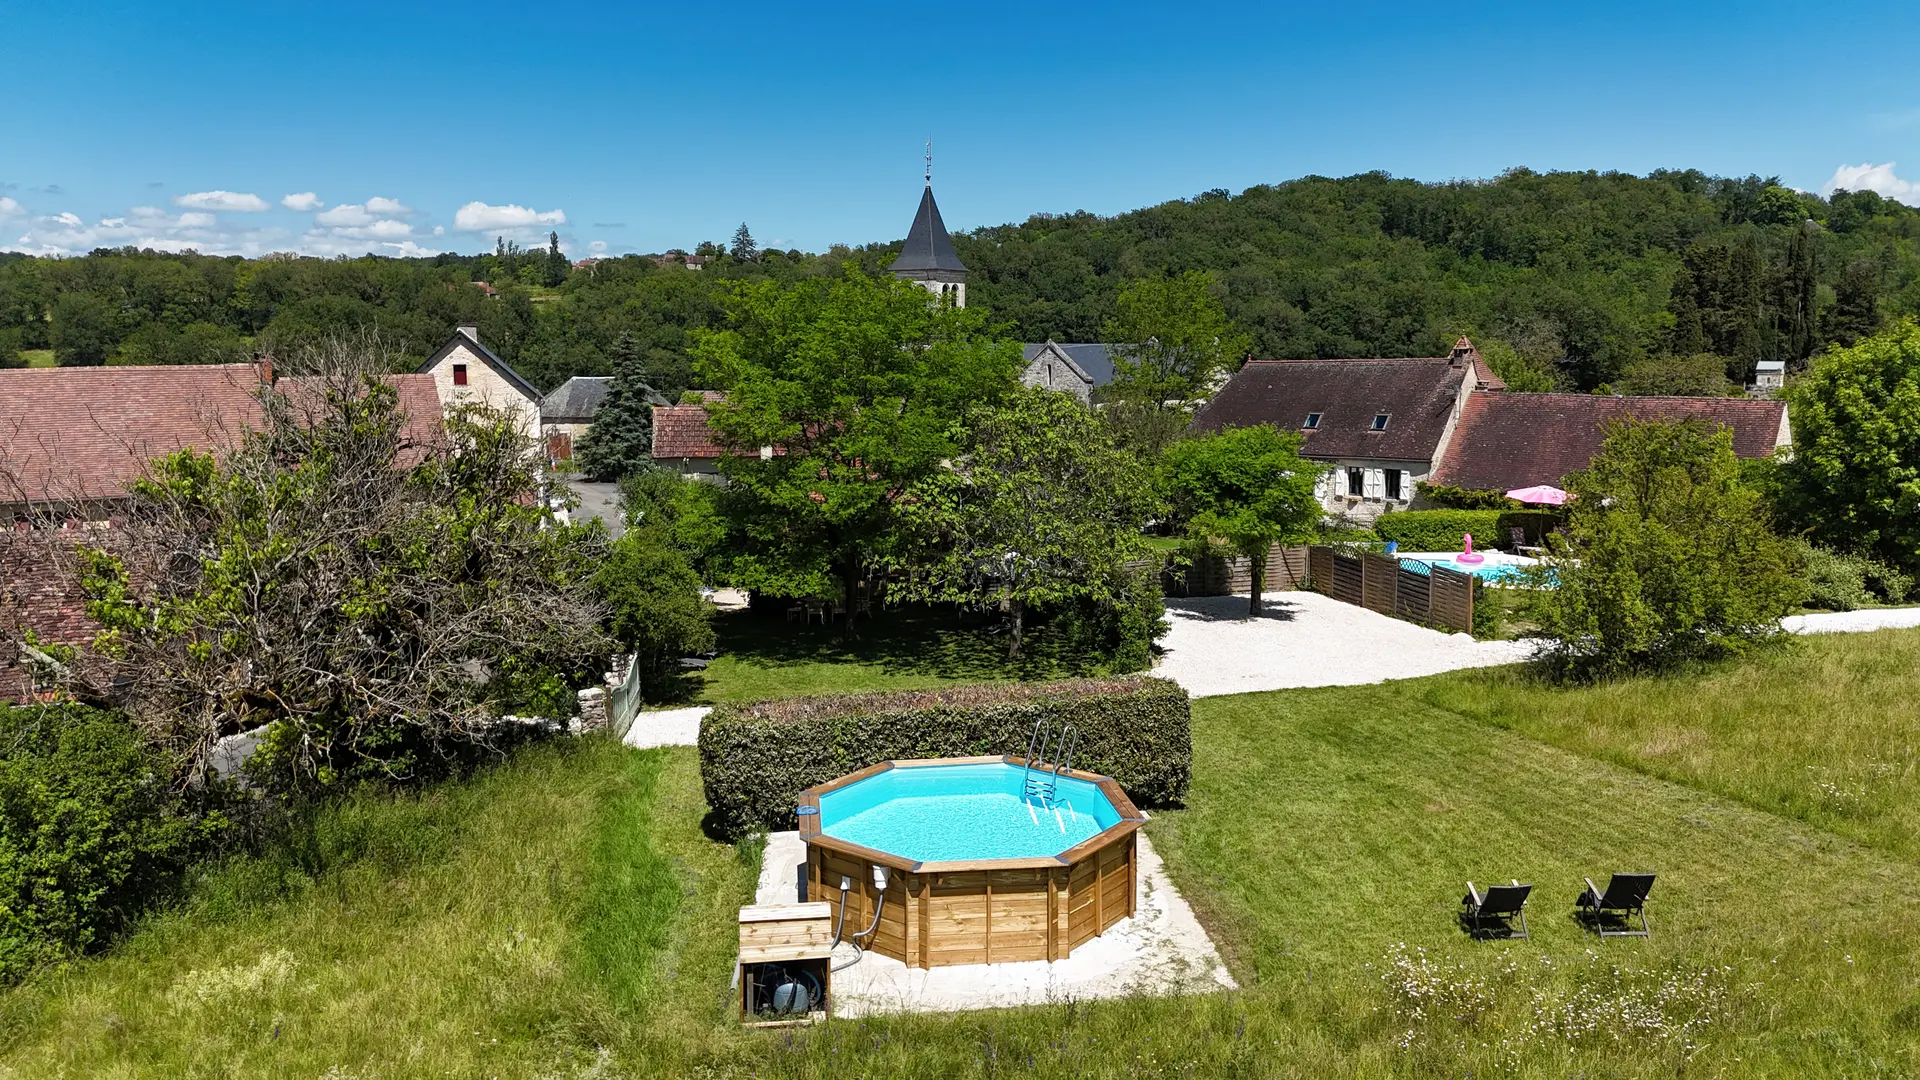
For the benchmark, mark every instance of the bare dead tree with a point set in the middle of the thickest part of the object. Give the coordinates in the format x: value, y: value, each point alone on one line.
x: 375, y: 586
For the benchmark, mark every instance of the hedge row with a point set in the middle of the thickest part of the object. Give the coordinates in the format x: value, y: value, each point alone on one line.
x: 756, y: 757
x: 1442, y: 530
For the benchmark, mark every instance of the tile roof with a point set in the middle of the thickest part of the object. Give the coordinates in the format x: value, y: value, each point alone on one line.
x: 576, y: 400
x: 681, y: 431
x: 85, y: 432
x: 419, y: 401
x: 1506, y: 441
x: 1417, y: 394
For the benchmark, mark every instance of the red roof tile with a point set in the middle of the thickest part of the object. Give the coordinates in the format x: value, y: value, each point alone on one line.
x: 86, y: 432
x: 1417, y: 394
x: 681, y: 431
x: 1506, y: 441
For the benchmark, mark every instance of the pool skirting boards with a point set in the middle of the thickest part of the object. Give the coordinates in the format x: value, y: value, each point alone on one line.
x: 1159, y: 949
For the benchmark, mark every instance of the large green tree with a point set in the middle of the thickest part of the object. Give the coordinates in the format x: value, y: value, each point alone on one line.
x: 1853, y: 480
x: 1041, y: 509
x: 841, y: 394
x: 1668, y: 556
x: 1247, y: 488
x: 1172, y: 345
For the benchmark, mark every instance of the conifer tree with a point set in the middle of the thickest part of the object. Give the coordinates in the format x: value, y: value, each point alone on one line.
x: 621, y: 438
x: 744, y: 248
x: 555, y: 270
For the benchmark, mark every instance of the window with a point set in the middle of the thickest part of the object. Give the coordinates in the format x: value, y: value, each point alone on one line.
x: 1313, y: 421
x: 459, y: 374
x: 1380, y: 421
x: 1393, y: 483
x: 1357, y: 482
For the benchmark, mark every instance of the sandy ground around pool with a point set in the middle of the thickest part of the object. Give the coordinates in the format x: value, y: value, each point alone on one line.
x: 1162, y: 949
x: 1306, y: 639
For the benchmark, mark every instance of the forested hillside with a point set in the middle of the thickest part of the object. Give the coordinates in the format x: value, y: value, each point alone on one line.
x: 1672, y: 283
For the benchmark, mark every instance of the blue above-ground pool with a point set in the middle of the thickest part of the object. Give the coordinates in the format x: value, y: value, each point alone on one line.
x: 940, y: 813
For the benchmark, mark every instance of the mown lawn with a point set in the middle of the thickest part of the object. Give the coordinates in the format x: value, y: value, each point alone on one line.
x: 564, y: 916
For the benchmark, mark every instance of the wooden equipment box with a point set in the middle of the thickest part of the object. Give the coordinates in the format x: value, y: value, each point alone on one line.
x: 785, y: 941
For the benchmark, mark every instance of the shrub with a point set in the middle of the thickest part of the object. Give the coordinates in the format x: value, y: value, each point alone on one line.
x: 654, y: 600
x: 90, y: 832
x: 1454, y: 498
x: 1443, y: 530
x: 756, y: 757
x: 1440, y: 530
x: 1839, y: 581
x: 1668, y: 557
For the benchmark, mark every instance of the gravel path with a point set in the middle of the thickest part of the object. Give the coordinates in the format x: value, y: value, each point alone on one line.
x: 1853, y: 622
x: 667, y: 727
x: 1306, y: 639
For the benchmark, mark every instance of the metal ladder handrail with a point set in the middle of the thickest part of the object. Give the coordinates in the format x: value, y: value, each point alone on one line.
x: 1065, y: 751
x: 1026, y: 786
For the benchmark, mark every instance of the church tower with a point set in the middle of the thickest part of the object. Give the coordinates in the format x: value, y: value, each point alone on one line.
x: 928, y: 256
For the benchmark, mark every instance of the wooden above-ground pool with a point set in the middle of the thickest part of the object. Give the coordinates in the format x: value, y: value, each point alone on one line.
x: 977, y: 871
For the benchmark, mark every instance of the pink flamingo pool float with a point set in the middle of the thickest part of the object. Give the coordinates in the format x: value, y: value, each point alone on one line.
x: 1467, y: 557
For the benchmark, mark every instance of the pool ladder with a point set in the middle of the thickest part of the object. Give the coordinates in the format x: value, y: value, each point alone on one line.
x: 1041, y: 783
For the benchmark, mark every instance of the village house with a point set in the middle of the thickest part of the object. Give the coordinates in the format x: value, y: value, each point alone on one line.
x: 567, y: 414
x: 73, y: 439
x: 1077, y: 369
x: 683, y: 441
x: 466, y: 372
x: 1387, y: 425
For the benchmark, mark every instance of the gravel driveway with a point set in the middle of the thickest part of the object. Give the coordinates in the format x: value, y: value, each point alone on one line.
x: 1306, y: 639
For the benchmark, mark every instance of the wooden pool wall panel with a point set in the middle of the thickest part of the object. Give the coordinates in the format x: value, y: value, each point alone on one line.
x: 990, y: 911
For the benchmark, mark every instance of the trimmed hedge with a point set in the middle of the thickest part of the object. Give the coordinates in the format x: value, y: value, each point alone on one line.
x: 1441, y: 530
x: 756, y: 757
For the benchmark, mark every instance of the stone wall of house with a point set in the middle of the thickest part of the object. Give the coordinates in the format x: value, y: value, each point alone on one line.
x: 484, y: 384
x: 1049, y: 372
x: 1337, y: 500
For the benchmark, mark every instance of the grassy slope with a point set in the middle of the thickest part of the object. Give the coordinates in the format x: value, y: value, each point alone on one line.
x: 1827, y: 732
x: 569, y: 903
x: 38, y: 357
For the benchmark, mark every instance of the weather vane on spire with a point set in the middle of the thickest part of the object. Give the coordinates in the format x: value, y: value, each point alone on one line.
x: 929, y: 161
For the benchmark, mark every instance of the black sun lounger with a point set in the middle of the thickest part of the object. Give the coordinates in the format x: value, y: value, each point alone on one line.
x: 1491, y: 914
x: 1609, y: 913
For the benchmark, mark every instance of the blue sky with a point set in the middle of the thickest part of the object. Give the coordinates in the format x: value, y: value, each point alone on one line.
x: 644, y: 126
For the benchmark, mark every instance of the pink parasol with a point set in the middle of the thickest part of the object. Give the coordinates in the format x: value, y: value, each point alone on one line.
x: 1542, y: 494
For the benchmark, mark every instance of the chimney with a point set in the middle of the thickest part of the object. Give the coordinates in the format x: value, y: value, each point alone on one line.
x: 1462, y: 352
x: 263, y: 367
x: 471, y: 330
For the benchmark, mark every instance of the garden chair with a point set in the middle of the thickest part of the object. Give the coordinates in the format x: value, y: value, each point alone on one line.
x: 816, y: 610
x: 796, y: 611
x: 1520, y: 545
x: 1491, y: 914
x: 1609, y: 913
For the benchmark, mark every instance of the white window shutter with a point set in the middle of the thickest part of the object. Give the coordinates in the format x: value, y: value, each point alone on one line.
x: 1376, y: 484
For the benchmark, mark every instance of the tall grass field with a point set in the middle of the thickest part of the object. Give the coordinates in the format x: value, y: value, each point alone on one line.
x: 564, y: 915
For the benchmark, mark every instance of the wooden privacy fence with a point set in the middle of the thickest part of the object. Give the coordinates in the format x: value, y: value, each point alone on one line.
x: 1406, y: 589
x: 1217, y: 576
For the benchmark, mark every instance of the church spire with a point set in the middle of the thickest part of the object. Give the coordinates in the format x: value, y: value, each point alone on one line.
x: 928, y: 256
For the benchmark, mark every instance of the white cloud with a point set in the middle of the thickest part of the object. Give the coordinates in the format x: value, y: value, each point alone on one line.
x: 344, y: 214
x: 306, y: 202
x: 598, y: 247
x: 9, y: 208
x: 1875, y: 178
x: 145, y: 227
x: 222, y: 200
x: 480, y: 217
x: 388, y: 207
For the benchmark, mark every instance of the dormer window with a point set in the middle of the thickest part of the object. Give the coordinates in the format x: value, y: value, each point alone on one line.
x: 1380, y: 421
x: 459, y: 374
x: 1312, y: 422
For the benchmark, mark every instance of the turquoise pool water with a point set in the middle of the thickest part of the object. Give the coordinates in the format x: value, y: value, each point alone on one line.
x: 936, y: 813
x: 1498, y: 573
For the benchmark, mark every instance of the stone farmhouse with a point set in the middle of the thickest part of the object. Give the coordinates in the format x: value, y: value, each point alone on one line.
x: 1387, y: 425
x: 465, y: 372
x: 568, y: 412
